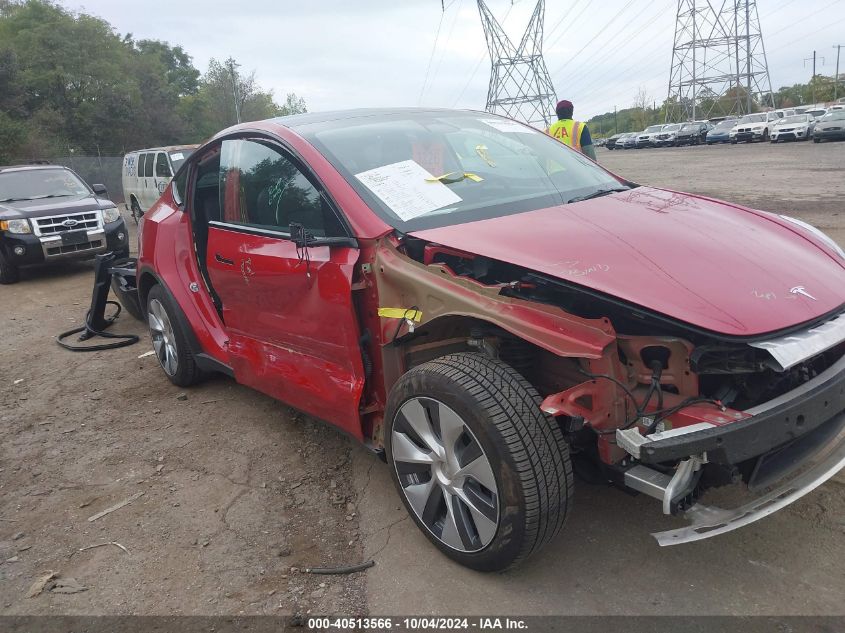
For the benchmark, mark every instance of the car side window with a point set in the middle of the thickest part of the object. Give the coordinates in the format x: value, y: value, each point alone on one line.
x: 162, y: 168
x: 263, y: 188
x: 148, y: 165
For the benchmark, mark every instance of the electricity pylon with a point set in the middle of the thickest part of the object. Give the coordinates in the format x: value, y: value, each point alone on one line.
x: 520, y: 86
x: 718, y: 60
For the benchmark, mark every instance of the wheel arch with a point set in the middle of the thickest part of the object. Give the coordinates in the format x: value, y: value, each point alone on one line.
x: 149, y: 279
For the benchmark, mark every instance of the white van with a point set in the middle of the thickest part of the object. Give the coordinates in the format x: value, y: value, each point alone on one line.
x: 146, y: 173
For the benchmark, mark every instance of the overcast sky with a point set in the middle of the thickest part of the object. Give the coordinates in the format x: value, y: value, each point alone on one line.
x: 339, y: 54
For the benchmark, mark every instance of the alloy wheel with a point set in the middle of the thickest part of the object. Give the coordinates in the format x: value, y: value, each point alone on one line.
x: 164, y: 340
x: 445, y: 475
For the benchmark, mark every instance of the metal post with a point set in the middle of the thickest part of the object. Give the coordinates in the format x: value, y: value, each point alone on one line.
x: 235, y: 90
x: 694, y: 46
x: 615, y: 121
x: 838, y: 47
x: 748, y: 58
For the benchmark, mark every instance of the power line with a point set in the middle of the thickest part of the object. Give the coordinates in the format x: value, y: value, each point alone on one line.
x: 570, y: 23
x: 595, y: 79
x: 431, y: 58
x: 446, y: 43
x: 563, y: 17
x: 591, y: 42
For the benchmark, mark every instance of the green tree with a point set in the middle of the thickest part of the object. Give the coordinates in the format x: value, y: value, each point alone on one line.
x: 70, y: 81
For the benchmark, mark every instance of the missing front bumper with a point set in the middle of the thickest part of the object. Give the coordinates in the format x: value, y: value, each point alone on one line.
x: 709, y: 521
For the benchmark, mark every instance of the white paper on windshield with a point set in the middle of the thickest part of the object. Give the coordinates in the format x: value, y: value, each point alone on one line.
x: 177, y: 156
x: 504, y: 125
x: 404, y: 189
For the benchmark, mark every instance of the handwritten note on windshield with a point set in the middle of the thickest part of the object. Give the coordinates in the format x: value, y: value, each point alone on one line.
x: 403, y: 187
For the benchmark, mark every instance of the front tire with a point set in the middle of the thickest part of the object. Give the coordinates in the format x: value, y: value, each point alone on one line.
x: 9, y: 273
x: 136, y: 211
x: 481, y: 470
x: 170, y: 342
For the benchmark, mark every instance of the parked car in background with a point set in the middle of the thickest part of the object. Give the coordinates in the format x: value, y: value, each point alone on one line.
x: 628, y: 140
x: 754, y: 127
x: 816, y: 113
x: 647, y: 136
x: 146, y: 173
x: 611, y: 142
x: 444, y: 329
x: 830, y: 127
x: 721, y: 132
x: 49, y: 214
x: 792, y: 128
x: 666, y: 136
x: 693, y: 133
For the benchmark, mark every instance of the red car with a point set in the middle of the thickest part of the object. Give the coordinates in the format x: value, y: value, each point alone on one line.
x: 491, y: 311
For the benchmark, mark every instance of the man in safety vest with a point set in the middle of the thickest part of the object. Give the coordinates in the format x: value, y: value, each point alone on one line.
x: 572, y: 133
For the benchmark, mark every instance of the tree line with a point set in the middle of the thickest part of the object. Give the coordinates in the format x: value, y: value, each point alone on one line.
x: 69, y: 83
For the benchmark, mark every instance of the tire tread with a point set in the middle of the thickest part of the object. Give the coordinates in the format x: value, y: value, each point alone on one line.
x: 534, y: 440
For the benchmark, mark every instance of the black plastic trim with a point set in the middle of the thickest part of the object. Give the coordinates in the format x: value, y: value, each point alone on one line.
x: 752, y: 437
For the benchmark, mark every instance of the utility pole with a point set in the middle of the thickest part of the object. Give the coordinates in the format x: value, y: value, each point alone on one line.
x: 748, y: 59
x: 232, y: 74
x: 838, y: 47
x: 813, y: 78
x: 615, y: 121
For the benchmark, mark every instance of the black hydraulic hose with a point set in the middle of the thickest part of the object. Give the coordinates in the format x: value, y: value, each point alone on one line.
x: 123, y: 340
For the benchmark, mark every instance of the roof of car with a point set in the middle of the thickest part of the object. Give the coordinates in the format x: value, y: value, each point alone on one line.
x: 294, y: 121
x: 29, y: 167
x: 166, y: 148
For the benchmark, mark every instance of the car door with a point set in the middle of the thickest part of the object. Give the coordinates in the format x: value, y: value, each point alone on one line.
x: 293, y: 331
x: 145, y: 185
x: 161, y: 175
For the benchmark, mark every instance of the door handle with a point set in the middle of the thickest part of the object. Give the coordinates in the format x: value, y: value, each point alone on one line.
x: 223, y: 260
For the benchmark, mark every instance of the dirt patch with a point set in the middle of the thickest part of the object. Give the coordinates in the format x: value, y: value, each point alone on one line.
x: 238, y: 491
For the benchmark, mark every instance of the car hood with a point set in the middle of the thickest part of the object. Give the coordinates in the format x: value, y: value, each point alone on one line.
x: 52, y: 206
x: 713, y: 265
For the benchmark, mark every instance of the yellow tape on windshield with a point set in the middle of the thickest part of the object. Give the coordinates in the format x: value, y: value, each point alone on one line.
x: 455, y: 176
x: 400, y: 313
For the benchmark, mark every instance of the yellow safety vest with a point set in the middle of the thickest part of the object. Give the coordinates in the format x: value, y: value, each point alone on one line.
x: 568, y: 132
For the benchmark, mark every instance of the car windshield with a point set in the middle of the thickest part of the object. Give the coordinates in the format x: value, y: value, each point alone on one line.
x: 689, y: 127
x: 837, y: 115
x: 179, y: 157
x: 34, y: 184
x: 423, y: 170
x: 672, y: 128
x: 726, y: 125
x: 797, y: 118
x: 816, y: 113
x: 653, y: 128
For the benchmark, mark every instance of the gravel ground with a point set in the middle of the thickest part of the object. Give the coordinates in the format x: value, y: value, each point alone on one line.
x: 240, y: 493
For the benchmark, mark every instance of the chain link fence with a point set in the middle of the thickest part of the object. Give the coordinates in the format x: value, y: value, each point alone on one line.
x: 101, y: 170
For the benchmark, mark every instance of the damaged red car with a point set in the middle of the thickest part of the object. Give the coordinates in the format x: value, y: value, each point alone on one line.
x: 491, y: 312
